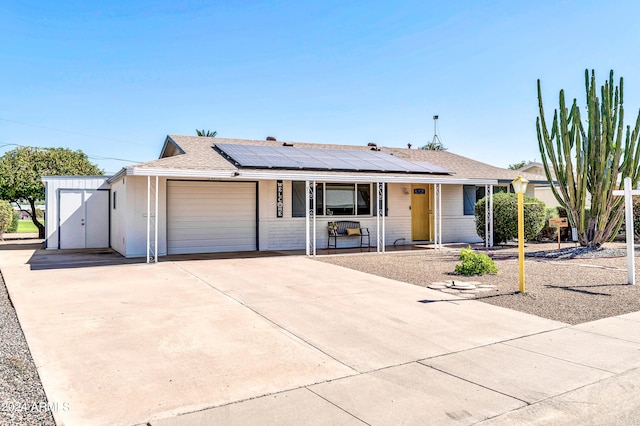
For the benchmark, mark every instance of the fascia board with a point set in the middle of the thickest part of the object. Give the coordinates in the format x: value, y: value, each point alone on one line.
x: 251, y: 175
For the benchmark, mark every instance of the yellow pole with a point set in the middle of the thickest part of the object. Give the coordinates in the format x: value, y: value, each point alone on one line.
x: 521, y: 240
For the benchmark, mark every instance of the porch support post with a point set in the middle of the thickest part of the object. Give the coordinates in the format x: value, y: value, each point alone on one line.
x: 380, y: 221
x: 313, y: 214
x: 306, y: 218
x: 437, y: 215
x: 152, y: 220
x: 488, y: 216
x: 148, y: 217
x: 155, y: 225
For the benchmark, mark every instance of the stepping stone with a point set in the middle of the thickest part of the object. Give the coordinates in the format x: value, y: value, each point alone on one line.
x: 483, y: 289
x: 486, y: 286
x: 461, y: 285
x: 437, y: 286
x: 450, y: 291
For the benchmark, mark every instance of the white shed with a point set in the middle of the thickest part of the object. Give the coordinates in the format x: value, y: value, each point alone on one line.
x: 77, y: 212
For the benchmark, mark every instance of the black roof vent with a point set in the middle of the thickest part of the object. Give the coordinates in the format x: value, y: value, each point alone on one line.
x: 287, y: 144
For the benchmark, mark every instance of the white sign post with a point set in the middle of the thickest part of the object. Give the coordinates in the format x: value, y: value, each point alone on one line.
x: 628, y: 194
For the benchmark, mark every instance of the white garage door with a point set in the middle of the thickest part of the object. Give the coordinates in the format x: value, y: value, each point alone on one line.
x: 208, y: 217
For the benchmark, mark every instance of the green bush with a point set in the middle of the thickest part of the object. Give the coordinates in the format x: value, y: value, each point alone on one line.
x: 15, y: 219
x: 636, y: 217
x: 505, y: 217
x: 475, y: 263
x: 6, y: 216
x: 548, y: 232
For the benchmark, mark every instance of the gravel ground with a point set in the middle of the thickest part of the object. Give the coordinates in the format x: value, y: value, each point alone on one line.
x: 22, y: 398
x: 573, y: 286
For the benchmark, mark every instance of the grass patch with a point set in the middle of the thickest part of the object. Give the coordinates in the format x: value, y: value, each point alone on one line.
x: 26, y: 226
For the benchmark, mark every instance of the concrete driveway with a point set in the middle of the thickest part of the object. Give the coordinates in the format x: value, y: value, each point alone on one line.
x: 285, y: 340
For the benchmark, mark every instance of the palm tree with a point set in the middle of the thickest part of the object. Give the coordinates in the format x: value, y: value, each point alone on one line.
x: 207, y: 133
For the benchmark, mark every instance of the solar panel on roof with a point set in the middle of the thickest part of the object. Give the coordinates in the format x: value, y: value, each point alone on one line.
x: 280, y: 157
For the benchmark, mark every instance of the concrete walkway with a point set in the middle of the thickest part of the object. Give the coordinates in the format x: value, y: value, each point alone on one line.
x: 287, y: 340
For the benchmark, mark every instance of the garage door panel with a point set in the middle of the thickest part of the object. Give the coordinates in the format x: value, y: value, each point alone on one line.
x: 206, y: 249
x: 222, y: 213
x: 205, y: 217
x: 205, y: 225
x: 197, y: 233
x: 228, y: 196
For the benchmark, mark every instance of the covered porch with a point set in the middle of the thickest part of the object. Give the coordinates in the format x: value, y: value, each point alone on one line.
x: 315, y: 223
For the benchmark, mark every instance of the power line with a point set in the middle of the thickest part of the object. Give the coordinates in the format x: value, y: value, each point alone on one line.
x: 70, y: 132
x: 95, y: 157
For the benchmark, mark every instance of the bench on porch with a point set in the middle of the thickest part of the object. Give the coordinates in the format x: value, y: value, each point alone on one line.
x: 347, y: 228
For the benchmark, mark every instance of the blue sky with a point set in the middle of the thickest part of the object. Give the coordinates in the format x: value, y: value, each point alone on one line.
x: 113, y: 78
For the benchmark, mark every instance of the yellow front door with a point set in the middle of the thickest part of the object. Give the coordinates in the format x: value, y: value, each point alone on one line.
x: 422, y: 212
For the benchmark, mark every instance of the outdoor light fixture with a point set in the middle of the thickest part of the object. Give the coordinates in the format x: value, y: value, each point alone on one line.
x: 520, y: 187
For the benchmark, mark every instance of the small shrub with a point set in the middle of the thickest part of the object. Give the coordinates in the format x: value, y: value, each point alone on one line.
x: 636, y: 217
x: 505, y: 217
x: 475, y: 263
x: 14, y: 222
x: 6, y: 216
x: 548, y: 232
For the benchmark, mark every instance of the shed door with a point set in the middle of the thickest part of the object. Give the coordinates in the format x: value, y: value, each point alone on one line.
x: 84, y: 218
x: 209, y: 217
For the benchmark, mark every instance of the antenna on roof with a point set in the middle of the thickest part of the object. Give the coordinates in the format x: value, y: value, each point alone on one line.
x: 436, y: 143
x: 436, y: 140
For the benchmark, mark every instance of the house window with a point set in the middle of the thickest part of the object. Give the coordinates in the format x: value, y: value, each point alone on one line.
x: 334, y: 199
x: 472, y: 194
x: 363, y: 195
x: 469, y: 194
x: 298, y: 195
x: 340, y: 199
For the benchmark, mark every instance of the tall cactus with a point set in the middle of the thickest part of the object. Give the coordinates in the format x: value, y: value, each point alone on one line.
x: 591, y: 161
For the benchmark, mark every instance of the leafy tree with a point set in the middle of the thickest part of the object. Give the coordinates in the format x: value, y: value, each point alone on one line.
x: 207, y: 133
x: 21, y: 170
x: 505, y: 217
x: 521, y: 164
x: 587, y: 158
x: 6, y: 216
x: 434, y: 145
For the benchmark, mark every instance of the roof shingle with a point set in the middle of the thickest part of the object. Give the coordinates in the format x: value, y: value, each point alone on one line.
x: 197, y: 153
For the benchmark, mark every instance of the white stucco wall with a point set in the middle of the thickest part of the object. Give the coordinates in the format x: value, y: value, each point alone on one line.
x: 456, y: 226
x: 129, y: 218
x: 118, y: 217
x: 288, y: 233
x: 129, y: 224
